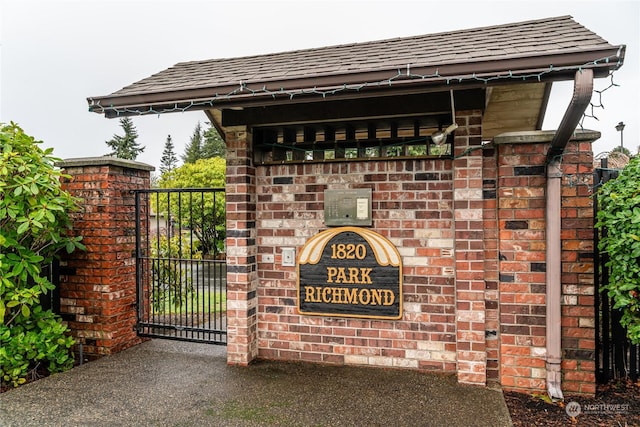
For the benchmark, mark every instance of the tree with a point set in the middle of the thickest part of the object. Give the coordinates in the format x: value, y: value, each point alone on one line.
x: 622, y: 150
x: 204, y: 145
x: 125, y: 146
x: 204, y: 216
x: 34, y: 220
x: 193, y: 150
x: 169, y: 161
x: 214, y: 146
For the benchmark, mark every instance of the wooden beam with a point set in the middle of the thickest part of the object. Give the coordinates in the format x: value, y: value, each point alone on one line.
x: 325, y: 111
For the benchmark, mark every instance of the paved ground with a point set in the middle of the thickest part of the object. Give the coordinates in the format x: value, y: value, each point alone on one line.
x: 168, y: 383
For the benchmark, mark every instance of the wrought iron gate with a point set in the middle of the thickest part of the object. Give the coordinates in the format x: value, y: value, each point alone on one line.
x: 616, y: 357
x: 180, y: 264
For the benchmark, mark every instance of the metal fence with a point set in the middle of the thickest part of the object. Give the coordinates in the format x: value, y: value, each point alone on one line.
x: 616, y: 357
x: 51, y: 299
x: 181, y: 268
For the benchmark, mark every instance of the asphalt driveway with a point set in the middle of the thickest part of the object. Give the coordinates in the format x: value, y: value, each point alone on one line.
x: 170, y: 383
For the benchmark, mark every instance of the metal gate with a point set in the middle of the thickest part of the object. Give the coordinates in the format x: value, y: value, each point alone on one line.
x: 616, y: 357
x: 180, y: 264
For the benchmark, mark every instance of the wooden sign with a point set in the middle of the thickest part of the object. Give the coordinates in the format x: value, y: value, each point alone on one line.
x: 350, y: 272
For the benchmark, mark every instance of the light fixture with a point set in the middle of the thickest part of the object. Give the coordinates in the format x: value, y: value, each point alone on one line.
x: 620, y: 128
x: 439, y: 137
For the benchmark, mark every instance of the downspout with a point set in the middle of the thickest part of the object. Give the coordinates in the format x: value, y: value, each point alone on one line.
x: 582, y: 91
x: 554, y: 286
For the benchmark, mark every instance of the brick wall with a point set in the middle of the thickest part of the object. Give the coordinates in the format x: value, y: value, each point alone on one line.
x: 98, y: 287
x: 413, y: 206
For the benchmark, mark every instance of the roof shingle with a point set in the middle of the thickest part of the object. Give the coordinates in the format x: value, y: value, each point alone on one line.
x: 501, y: 43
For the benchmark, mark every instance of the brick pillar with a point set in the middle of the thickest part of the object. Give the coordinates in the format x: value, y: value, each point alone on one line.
x: 521, y: 169
x: 98, y: 287
x: 491, y: 256
x: 242, y: 274
x: 522, y: 246
x: 578, y: 287
x: 469, y: 249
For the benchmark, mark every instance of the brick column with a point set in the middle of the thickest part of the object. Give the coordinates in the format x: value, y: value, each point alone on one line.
x: 521, y: 216
x: 523, y: 268
x: 491, y: 256
x: 578, y: 287
x: 469, y: 248
x: 242, y: 274
x: 98, y: 287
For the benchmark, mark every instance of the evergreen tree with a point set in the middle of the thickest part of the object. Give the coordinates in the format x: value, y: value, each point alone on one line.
x: 169, y: 160
x: 213, y: 146
x: 193, y: 150
x: 125, y: 146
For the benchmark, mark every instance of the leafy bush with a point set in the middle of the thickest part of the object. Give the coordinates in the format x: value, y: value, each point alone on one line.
x: 38, y: 341
x: 619, y: 214
x: 171, y: 283
x: 34, y: 219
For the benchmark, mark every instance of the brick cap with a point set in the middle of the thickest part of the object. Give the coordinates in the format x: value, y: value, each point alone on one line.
x: 542, y: 136
x: 104, y: 161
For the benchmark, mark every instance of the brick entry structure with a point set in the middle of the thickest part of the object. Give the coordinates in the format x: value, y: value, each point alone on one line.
x: 494, y: 231
x: 470, y: 231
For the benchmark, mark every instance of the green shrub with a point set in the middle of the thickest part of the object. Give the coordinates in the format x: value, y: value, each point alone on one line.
x: 34, y: 220
x: 34, y: 342
x: 619, y: 214
x: 171, y: 282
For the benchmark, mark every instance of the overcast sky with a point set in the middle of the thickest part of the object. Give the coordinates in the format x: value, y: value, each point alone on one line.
x: 55, y: 54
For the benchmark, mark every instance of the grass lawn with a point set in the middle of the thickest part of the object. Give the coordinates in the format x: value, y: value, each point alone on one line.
x: 200, y: 302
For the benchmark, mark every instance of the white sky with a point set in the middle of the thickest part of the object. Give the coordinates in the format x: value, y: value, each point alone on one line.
x: 54, y: 54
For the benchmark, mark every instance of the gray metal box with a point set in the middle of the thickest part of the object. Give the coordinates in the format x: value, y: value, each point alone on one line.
x: 347, y: 207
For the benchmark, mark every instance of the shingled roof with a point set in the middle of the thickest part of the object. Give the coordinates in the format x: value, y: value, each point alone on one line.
x: 543, y: 50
